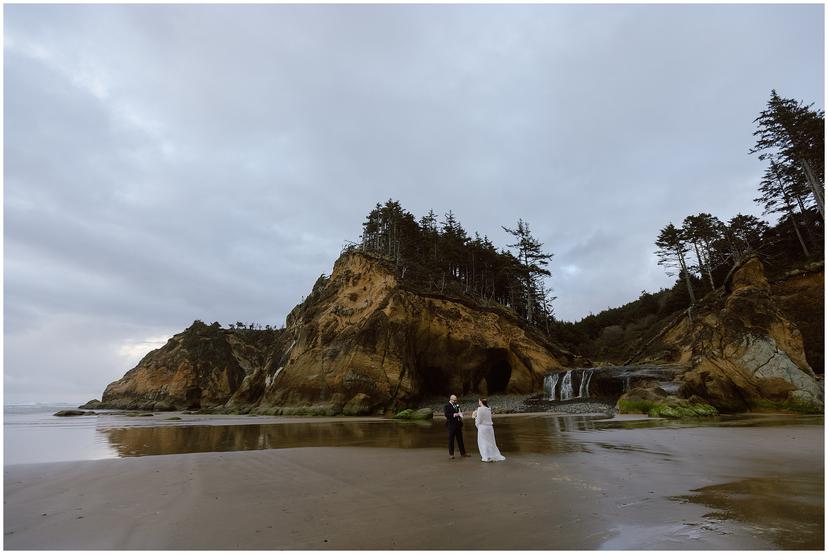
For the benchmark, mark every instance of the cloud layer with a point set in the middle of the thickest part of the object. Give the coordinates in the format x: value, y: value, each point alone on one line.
x: 168, y: 163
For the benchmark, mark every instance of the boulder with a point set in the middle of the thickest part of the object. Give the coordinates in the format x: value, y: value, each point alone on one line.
x: 675, y: 408
x: 423, y: 414
x: 360, y: 404
x: 419, y: 415
x: 68, y: 413
x: 93, y: 404
x: 639, y: 400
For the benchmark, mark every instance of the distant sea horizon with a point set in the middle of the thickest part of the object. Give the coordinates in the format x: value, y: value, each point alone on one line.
x: 32, y: 434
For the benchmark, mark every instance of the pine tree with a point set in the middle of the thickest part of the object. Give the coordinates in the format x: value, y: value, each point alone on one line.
x: 672, y: 248
x: 778, y: 187
x: 793, y: 135
x: 702, y: 231
x: 428, y: 227
x: 533, y: 261
x: 744, y: 234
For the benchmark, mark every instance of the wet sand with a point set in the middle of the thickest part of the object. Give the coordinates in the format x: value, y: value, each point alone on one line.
x: 719, y: 487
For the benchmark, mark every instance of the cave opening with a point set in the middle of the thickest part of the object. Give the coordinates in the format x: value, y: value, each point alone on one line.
x: 497, y: 372
x: 489, y: 375
x: 436, y: 381
x: 193, y: 398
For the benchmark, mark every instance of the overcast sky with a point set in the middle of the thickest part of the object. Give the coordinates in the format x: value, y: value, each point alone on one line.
x: 171, y: 163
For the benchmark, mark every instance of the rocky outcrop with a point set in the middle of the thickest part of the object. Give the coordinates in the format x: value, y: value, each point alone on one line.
x: 202, y: 367
x: 361, y: 342
x: 651, y: 399
x: 800, y: 296
x: 742, y: 351
x: 93, y: 404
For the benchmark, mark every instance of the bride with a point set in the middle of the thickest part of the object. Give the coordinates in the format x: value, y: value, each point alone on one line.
x: 485, y: 433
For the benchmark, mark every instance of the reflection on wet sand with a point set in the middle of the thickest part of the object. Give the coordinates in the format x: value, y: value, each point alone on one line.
x: 788, y: 511
x: 739, y: 420
x: 528, y: 434
x: 569, y: 482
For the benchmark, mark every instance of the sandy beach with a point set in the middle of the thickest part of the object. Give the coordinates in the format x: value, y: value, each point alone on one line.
x: 720, y: 487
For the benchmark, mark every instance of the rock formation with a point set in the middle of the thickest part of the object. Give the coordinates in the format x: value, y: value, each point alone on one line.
x: 200, y: 367
x: 801, y: 297
x: 366, y: 342
x: 742, y: 352
x: 362, y: 342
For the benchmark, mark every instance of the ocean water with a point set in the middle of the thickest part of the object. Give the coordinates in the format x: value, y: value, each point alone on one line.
x: 32, y: 434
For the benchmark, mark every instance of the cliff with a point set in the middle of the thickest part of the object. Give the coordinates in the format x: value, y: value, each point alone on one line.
x: 361, y: 342
x: 742, y: 351
x: 800, y: 296
x: 203, y: 366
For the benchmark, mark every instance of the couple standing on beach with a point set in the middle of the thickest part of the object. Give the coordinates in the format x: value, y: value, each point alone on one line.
x: 485, y: 430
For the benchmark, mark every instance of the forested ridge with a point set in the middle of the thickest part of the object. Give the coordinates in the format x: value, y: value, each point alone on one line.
x: 438, y: 255
x: 702, y: 249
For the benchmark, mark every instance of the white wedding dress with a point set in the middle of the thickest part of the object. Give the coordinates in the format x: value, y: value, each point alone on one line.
x: 485, y: 436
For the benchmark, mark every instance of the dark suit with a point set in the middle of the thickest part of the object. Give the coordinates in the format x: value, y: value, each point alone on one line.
x: 455, y: 428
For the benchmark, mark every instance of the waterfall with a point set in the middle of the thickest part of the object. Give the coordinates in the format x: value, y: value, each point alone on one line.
x: 566, y: 386
x: 567, y: 390
x: 549, y: 384
x: 586, y: 375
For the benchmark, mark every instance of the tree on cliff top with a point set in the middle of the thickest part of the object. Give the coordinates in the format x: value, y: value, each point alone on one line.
x: 779, y: 188
x: 793, y: 135
x: 672, y: 247
x: 442, y: 257
x: 533, y: 261
x: 702, y: 231
x: 744, y: 234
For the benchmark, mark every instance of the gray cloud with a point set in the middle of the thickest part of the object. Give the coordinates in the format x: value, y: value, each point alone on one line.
x: 167, y: 163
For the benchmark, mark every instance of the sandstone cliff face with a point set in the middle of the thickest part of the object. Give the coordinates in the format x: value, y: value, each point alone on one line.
x: 360, y: 343
x: 742, y: 352
x: 801, y: 298
x: 201, y: 367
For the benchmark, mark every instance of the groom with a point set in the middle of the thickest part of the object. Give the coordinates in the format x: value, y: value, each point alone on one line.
x: 454, y: 423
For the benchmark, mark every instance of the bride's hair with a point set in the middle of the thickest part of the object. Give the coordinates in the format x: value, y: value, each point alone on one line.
x: 485, y: 402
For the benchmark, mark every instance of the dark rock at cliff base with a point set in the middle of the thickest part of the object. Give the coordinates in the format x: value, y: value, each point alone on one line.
x: 69, y: 413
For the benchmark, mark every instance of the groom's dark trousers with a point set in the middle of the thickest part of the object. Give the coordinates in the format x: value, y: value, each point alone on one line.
x: 455, y: 429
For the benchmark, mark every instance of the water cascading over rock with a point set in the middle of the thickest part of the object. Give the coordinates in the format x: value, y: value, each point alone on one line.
x: 566, y: 391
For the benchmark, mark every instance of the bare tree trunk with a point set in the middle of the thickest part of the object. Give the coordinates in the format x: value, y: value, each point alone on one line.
x: 809, y: 222
x: 798, y: 234
x: 794, y: 223
x: 686, y: 277
x: 816, y: 187
x: 704, y: 265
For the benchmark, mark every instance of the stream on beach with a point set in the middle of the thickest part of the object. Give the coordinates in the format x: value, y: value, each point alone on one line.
x: 763, y: 473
